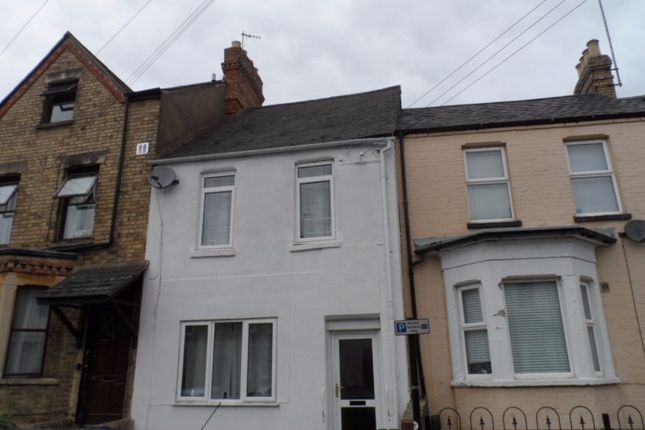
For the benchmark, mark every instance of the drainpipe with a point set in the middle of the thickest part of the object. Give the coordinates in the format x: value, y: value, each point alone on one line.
x: 391, y: 389
x: 414, y: 351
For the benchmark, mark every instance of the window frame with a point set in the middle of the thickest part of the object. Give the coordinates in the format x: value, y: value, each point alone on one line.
x: 45, y: 330
x: 66, y: 202
x: 208, y: 375
x: 464, y: 327
x: 202, y: 200
x: 565, y: 330
x: 8, y: 210
x: 54, y: 98
x: 314, y: 179
x: 591, y: 323
x: 488, y: 181
x: 594, y: 174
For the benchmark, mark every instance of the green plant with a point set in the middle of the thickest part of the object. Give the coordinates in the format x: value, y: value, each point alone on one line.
x: 6, y: 423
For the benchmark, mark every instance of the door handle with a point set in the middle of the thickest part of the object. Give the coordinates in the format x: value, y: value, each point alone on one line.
x: 338, y: 388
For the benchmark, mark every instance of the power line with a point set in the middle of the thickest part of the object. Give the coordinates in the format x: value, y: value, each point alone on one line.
x: 477, y: 53
x: 516, y: 51
x: 124, y: 26
x: 15, y: 36
x: 498, y: 51
x: 166, y: 44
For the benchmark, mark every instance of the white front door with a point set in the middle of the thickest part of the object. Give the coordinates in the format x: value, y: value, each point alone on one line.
x: 356, y: 381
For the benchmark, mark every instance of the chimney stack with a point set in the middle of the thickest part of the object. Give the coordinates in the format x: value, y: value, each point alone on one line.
x: 243, y: 83
x: 594, y: 72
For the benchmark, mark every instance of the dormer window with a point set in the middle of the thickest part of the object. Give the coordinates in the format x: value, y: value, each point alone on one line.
x: 60, y: 99
x: 78, y: 195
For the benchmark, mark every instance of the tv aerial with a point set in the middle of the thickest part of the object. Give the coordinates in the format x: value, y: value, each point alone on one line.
x: 248, y: 36
x: 162, y: 177
x: 635, y: 230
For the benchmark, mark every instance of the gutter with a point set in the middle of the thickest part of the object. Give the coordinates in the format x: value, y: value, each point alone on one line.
x: 268, y: 151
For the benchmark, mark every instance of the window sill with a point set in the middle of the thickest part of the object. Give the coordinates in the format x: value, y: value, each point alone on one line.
x: 611, y: 217
x: 213, y: 403
x: 206, y: 253
x: 47, y: 125
x: 29, y: 381
x: 493, y: 224
x: 536, y: 382
x: 308, y: 246
x: 67, y: 243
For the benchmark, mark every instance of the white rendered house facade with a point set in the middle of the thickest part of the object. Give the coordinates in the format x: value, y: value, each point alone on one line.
x: 274, y: 284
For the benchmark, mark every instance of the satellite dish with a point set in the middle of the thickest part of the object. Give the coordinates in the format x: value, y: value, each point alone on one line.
x: 635, y: 230
x: 162, y: 177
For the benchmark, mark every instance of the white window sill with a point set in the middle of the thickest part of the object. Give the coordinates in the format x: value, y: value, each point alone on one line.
x: 307, y: 246
x: 536, y: 382
x: 217, y: 252
x: 29, y: 381
x: 228, y: 403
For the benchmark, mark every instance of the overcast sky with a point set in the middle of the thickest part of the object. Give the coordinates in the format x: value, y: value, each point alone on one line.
x: 314, y: 49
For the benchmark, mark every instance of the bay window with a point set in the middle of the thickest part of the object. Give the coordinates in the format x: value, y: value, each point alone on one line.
x: 489, y: 192
x: 230, y: 361
x: 475, y: 333
x: 592, y: 178
x: 26, y: 351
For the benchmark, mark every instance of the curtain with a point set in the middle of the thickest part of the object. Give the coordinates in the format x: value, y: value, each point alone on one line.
x: 594, y: 195
x: 260, y: 360
x: 485, y: 164
x: 227, y: 361
x: 217, y: 218
x: 315, y: 209
x: 587, y: 158
x: 26, y: 348
x: 194, y: 370
x: 535, y: 326
x: 79, y: 221
x: 476, y: 339
x: 6, y: 222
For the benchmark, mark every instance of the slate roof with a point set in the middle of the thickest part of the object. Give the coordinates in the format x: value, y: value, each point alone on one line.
x: 601, y: 236
x: 354, y: 116
x: 94, y: 284
x: 587, y: 107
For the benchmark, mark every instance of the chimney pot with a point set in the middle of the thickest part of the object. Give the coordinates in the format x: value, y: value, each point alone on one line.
x: 236, y: 44
x: 593, y: 48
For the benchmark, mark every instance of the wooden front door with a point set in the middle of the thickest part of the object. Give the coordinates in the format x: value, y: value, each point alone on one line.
x: 106, y: 366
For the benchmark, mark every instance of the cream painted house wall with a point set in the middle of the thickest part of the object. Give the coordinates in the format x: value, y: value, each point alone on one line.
x: 542, y: 196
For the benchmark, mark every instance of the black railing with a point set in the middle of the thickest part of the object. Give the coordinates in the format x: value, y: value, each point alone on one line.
x: 626, y: 417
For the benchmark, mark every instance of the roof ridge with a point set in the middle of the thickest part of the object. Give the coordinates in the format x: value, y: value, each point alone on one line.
x: 329, y: 98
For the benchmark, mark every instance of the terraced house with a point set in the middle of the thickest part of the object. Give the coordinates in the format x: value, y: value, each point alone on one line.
x: 75, y: 142
x: 527, y: 233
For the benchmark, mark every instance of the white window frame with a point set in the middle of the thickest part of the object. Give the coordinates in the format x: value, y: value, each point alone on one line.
x: 299, y: 181
x: 464, y: 327
x: 595, y: 174
x: 591, y: 299
x: 244, y: 399
x: 489, y: 181
x: 203, y: 191
x: 565, y: 330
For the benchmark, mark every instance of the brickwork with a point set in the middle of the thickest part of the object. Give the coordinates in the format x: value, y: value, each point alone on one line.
x: 542, y: 196
x: 40, y: 154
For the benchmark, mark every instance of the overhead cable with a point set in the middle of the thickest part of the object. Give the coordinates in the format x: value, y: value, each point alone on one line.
x: 498, y: 51
x: 170, y: 40
x: 477, y: 53
x: 15, y: 36
x: 124, y: 26
x: 515, y: 52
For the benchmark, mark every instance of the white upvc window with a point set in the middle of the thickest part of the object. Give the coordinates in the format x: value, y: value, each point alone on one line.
x: 535, y: 329
x: 8, y: 193
x: 216, y: 214
x: 315, y: 197
x: 590, y: 324
x: 228, y: 361
x: 592, y: 178
x: 489, y: 190
x: 474, y: 331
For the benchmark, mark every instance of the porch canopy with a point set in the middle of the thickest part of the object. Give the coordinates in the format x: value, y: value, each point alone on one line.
x: 96, y: 284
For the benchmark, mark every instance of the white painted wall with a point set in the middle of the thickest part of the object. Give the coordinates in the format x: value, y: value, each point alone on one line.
x: 266, y: 278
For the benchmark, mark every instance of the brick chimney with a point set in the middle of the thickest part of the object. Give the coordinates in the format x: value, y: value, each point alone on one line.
x: 243, y: 84
x: 594, y: 72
